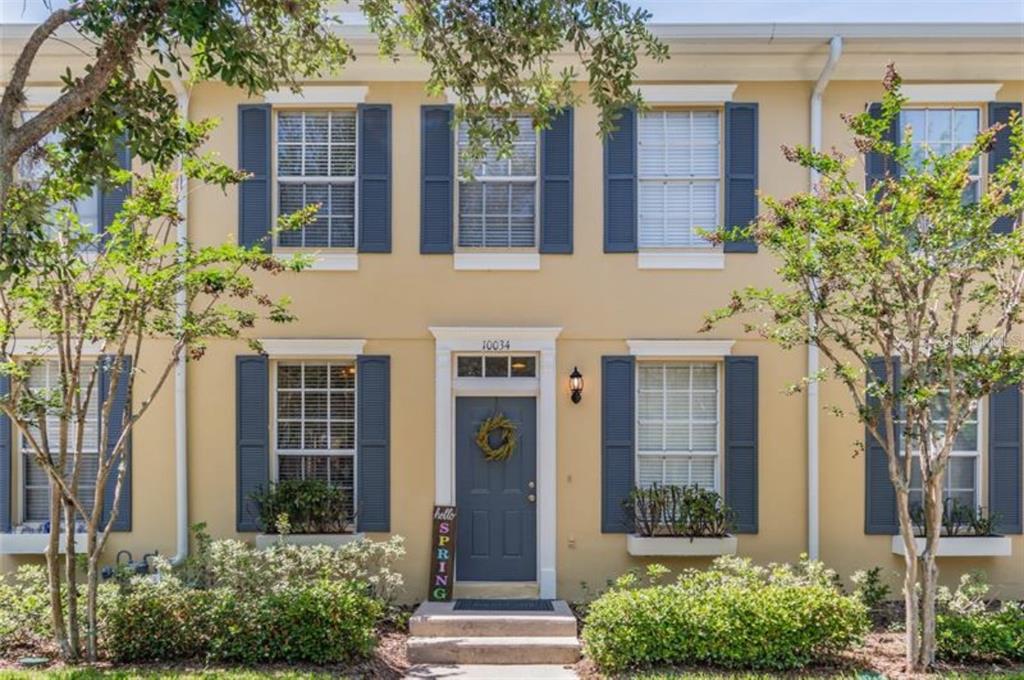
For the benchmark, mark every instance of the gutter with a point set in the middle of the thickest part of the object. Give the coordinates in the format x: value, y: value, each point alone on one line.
x: 835, y: 51
x: 181, y: 369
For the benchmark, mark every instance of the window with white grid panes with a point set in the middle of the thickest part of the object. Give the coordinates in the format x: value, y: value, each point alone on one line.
x: 961, y: 480
x: 679, y: 177
x: 677, y: 424
x: 942, y: 131
x: 315, y: 422
x: 497, y: 208
x: 44, y: 381
x: 316, y: 163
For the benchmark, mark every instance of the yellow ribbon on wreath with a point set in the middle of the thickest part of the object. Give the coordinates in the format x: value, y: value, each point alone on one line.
x: 497, y: 422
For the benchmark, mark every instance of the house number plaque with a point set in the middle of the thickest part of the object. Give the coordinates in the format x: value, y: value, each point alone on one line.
x: 497, y: 345
x: 442, y: 558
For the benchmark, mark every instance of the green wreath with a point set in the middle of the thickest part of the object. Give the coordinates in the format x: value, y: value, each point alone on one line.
x: 497, y: 423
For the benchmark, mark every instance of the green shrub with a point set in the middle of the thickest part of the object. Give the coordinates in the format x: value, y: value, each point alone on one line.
x: 733, y: 615
x: 309, y: 506
x: 869, y: 587
x: 24, y: 609
x: 967, y: 629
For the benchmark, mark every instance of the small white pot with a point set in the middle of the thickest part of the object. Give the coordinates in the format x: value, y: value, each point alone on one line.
x: 962, y: 546
x: 680, y: 546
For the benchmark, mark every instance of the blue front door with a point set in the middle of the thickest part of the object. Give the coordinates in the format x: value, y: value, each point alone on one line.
x: 497, y: 527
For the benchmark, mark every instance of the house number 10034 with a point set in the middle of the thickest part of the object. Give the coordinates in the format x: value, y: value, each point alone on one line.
x: 497, y: 345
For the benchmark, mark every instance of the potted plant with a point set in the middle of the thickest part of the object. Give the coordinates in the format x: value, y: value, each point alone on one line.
x: 304, y: 512
x: 679, y: 520
x: 966, y: 532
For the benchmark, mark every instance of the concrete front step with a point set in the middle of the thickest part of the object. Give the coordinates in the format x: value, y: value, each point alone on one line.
x: 440, y: 619
x: 493, y: 650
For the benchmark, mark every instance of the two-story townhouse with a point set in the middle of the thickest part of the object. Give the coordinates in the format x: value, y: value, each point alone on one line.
x: 437, y: 301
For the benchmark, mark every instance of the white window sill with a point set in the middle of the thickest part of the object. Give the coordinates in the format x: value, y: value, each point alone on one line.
x: 484, y: 262
x: 962, y: 546
x: 264, y: 541
x: 679, y: 546
x: 680, y: 260
x: 34, y: 543
x: 328, y: 262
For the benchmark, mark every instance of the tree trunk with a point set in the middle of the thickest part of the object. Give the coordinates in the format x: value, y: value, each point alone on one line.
x: 929, y: 589
x: 91, y: 599
x: 910, y: 600
x: 71, y: 581
x: 53, y: 575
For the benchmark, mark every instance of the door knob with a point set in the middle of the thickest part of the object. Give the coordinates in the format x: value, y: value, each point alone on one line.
x: 530, y: 485
x: 531, y: 498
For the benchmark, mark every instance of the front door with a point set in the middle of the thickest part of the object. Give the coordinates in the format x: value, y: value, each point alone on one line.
x: 497, y: 527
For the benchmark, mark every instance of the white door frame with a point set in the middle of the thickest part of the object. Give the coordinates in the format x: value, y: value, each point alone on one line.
x: 502, y: 340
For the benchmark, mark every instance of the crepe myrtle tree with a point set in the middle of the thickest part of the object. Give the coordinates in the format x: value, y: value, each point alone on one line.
x: 139, y: 298
x: 910, y: 273
x: 499, y: 58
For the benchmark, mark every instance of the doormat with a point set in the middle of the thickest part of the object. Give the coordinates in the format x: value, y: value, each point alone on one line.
x: 488, y: 605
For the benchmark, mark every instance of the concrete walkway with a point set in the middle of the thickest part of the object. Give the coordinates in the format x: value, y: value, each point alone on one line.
x: 480, y: 672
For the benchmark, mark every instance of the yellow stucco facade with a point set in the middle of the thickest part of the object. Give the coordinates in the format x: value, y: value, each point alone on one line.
x: 599, y: 301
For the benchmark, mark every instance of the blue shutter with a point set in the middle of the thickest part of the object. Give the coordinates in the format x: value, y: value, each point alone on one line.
x: 373, y: 449
x: 112, y: 197
x: 120, y: 411
x: 741, y: 140
x: 741, y: 410
x: 618, y: 397
x: 252, y: 434
x: 999, y: 112
x: 878, y: 165
x: 437, y: 168
x: 556, y: 187
x: 880, y: 516
x: 6, y: 462
x: 620, y: 186
x: 374, y: 166
x: 1004, y: 459
x: 254, y: 144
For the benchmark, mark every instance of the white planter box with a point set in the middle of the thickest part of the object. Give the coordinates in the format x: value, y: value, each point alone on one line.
x: 331, y: 540
x: 680, y: 546
x: 962, y: 546
x: 34, y: 544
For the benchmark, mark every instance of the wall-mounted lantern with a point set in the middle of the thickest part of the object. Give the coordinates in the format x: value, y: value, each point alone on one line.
x: 576, y: 385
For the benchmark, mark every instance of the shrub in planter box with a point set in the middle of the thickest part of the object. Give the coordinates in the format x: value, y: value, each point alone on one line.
x: 679, y: 511
x: 733, y: 615
x: 303, y: 506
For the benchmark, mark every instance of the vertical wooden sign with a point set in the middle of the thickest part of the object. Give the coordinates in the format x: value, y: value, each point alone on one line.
x: 442, y: 557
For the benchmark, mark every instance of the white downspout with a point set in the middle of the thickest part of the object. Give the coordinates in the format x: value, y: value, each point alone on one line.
x: 835, y: 51
x: 181, y: 369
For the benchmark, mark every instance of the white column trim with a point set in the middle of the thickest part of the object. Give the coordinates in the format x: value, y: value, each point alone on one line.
x: 449, y: 340
x: 301, y: 348
x: 953, y: 93
x: 670, y: 349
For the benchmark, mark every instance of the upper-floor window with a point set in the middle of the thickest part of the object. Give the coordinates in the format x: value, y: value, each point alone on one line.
x: 677, y: 424
x: 680, y: 176
x: 498, y: 207
x: 941, y: 131
x: 32, y: 169
x: 315, y: 422
x: 44, y: 380
x: 316, y: 163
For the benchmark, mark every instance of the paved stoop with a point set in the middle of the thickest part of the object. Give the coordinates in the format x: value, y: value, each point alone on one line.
x: 441, y: 635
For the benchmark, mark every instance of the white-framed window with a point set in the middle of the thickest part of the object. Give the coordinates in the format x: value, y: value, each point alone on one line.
x: 44, y: 380
x: 679, y: 165
x: 942, y: 130
x: 496, y: 366
x: 498, y: 207
x: 964, y: 471
x: 314, y: 423
x: 316, y: 163
x: 32, y: 169
x: 677, y: 424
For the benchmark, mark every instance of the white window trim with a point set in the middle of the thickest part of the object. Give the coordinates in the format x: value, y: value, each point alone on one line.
x: 719, y: 421
x: 687, y: 94
x: 485, y: 262
x: 923, y: 139
x: 330, y: 257
x: 681, y: 259
x: 322, y: 261
x: 953, y: 93
x: 680, y: 349
x: 318, y: 95
x: 353, y: 452
x: 498, y: 264
x: 339, y: 349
